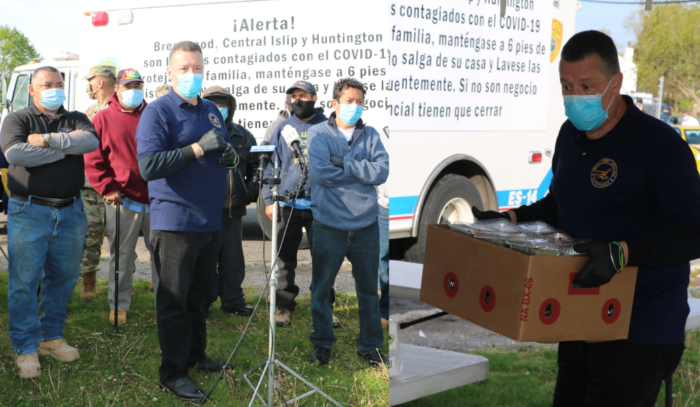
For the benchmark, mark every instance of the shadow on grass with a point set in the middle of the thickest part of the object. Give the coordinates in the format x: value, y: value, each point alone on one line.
x: 123, y: 370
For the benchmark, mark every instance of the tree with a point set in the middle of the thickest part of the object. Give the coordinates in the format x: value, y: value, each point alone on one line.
x: 15, y: 50
x: 668, y: 45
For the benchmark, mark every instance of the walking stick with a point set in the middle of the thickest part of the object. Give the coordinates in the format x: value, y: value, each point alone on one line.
x: 116, y: 273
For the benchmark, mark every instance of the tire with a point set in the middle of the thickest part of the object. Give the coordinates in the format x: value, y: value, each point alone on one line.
x: 266, y: 223
x: 450, y: 199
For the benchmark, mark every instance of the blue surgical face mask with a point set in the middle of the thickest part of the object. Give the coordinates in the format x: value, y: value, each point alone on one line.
x: 350, y: 114
x: 224, y: 112
x: 132, y: 98
x: 189, y: 84
x: 52, y: 98
x: 586, y: 111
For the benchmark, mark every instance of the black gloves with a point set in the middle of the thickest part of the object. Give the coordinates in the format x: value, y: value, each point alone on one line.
x: 479, y: 215
x: 229, y: 155
x: 212, y: 141
x: 337, y: 161
x: 603, y: 264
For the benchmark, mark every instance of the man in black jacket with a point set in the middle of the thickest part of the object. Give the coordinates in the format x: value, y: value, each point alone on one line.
x: 627, y: 181
x: 242, y: 189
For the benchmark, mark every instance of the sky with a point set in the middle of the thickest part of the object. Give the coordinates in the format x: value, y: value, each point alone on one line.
x: 53, y: 26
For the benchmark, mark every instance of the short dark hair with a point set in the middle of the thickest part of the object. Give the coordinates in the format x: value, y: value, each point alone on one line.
x: 188, y: 46
x: 344, y: 83
x: 591, y: 42
x: 43, y: 69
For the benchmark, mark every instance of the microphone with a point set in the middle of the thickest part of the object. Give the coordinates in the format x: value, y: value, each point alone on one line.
x: 264, y: 152
x: 293, y: 140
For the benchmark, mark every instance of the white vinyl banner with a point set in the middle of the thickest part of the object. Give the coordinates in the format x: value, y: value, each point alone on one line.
x: 254, y: 49
x: 458, y: 65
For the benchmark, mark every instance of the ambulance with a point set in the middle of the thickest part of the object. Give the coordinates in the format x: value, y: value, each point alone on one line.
x: 475, y: 109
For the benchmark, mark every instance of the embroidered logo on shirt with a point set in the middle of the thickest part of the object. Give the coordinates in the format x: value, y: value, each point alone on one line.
x: 604, y: 173
x: 214, y: 120
x: 65, y: 130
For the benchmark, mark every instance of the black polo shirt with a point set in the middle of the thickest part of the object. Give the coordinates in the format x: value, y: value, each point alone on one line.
x: 637, y: 181
x: 62, y: 179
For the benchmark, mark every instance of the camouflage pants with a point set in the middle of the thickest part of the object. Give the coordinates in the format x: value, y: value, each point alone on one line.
x: 95, y: 211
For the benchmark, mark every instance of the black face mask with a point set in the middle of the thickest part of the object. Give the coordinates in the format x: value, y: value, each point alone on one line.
x: 303, y: 109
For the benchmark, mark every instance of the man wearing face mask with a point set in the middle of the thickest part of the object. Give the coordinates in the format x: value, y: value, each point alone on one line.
x: 241, y: 190
x: 113, y: 170
x: 101, y: 81
x: 305, y: 114
x: 183, y: 150
x: 347, y: 161
x: 628, y: 182
x: 44, y: 144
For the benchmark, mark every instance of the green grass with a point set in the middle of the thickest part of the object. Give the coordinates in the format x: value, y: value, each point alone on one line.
x: 123, y: 370
x: 524, y: 375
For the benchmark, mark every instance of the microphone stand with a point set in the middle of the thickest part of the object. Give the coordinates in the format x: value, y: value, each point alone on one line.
x: 269, y: 364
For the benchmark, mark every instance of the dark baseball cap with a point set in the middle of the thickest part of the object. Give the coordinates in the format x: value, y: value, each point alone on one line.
x: 303, y: 85
x: 127, y: 76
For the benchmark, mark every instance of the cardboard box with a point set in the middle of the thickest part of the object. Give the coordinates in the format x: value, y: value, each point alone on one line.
x: 523, y: 297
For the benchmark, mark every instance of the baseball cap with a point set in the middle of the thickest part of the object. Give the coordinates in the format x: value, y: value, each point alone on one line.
x: 127, y: 76
x: 303, y: 85
x: 102, y: 70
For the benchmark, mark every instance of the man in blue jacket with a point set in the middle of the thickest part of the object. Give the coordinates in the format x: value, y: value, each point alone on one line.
x: 302, y: 98
x: 626, y: 180
x: 347, y: 161
x: 180, y: 139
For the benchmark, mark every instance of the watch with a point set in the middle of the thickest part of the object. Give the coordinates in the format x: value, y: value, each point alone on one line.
x: 46, y: 138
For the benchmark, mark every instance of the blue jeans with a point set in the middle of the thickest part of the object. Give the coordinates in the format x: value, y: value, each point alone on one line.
x: 330, y: 248
x: 384, y: 261
x: 42, y: 239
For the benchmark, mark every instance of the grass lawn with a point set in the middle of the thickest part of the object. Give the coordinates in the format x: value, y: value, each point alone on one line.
x: 123, y: 370
x: 524, y: 375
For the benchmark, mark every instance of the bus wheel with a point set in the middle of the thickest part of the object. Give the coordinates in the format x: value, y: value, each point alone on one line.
x: 450, y: 200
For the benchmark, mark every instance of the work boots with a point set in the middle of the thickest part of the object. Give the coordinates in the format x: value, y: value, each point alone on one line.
x: 28, y: 366
x: 89, y: 291
x: 121, y: 317
x: 59, y: 350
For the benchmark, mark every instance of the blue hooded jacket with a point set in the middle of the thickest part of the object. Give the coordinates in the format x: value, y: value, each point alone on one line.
x: 290, y: 170
x: 346, y: 198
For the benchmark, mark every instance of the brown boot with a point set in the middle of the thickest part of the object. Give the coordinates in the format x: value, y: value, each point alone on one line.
x: 59, y: 350
x: 121, y: 317
x: 89, y: 291
x: 28, y: 366
x: 283, y: 317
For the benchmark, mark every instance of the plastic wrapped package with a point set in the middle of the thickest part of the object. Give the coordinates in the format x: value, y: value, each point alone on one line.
x: 536, y: 228
x: 534, y: 238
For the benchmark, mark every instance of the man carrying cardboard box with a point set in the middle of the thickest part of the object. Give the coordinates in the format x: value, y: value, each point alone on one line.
x: 627, y: 181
